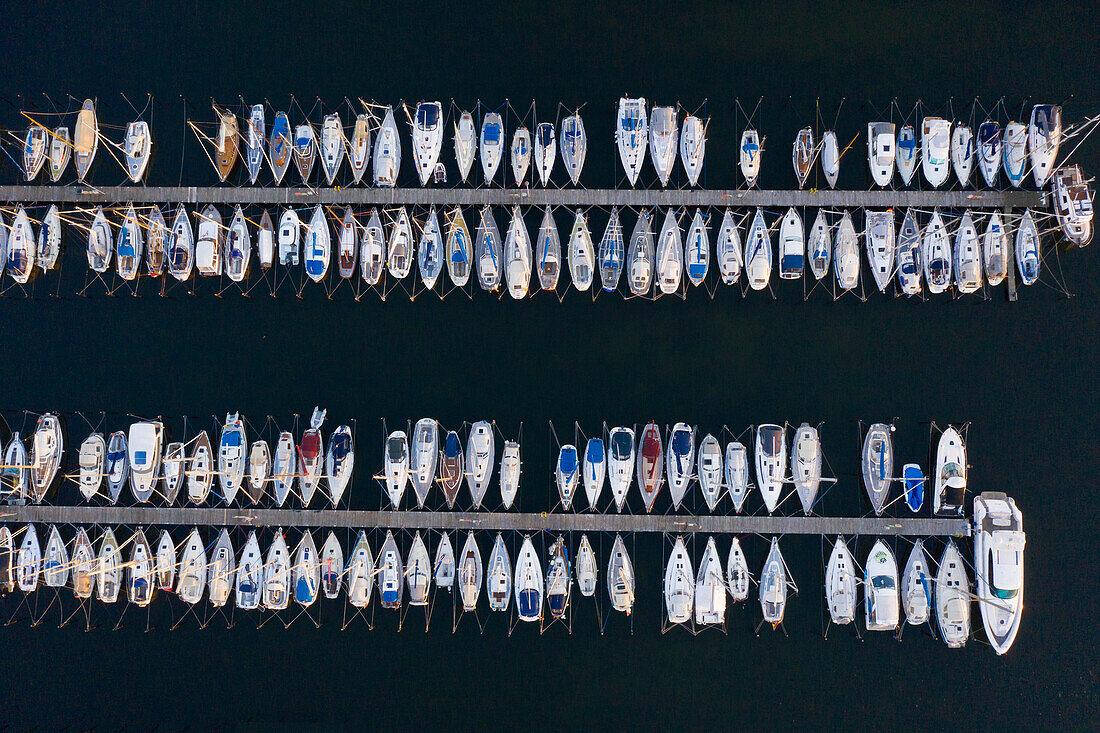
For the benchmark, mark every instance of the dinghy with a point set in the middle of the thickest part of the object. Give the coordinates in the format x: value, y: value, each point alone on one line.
x: 830, y: 158
x: 55, y: 561
x: 305, y: 150
x: 529, y: 583
x: 935, y: 141
x: 317, y: 246
x: 424, y: 457
x: 913, y: 480
x: 498, y: 580
x: 710, y: 471
x: 586, y: 568
x: 284, y: 468
x: 881, y: 245
x: 880, y: 589
x: 728, y: 250
x: 109, y: 570
x: 620, y: 578
x: 339, y: 463
x: 916, y: 586
x: 225, y: 145
x: 359, y: 574
x: 156, y: 242
x: 1014, y: 153
x: 332, y: 146
x: 1028, y: 261
x: 165, y: 562
x: 631, y: 136
x: 465, y: 142
x: 254, y: 141
x: 962, y: 152
x: 995, y: 250
x: 548, y: 252
x: 480, y: 458
x: 936, y: 255
x: 949, y: 495
x: 28, y: 561
x: 470, y: 573
x: 758, y: 253
x: 250, y: 575
x: 999, y: 567
x: 594, y: 470
x: 840, y: 584
x: 86, y: 140
x: 91, y: 462
x: 429, y: 253
x: 545, y: 151
x: 311, y: 456
x: 306, y: 572
x: 347, y: 246
x: 670, y: 255
x: 792, y: 246
x: 60, y: 150
x: 427, y: 138
x: 49, y: 239
x: 663, y: 138
x: 281, y: 146
x: 259, y: 470
x: 387, y: 152
x: 567, y: 474
x: 491, y: 145
x: 510, y: 468
x: 953, y: 598
x: 444, y: 567
x: 84, y: 565
x: 806, y: 464
x: 276, y: 592
x: 129, y: 246
x: 773, y: 586
x: 191, y: 581
x: 582, y: 254
x: 117, y: 466
x: 771, y: 462
x: 681, y: 461
x: 880, y: 152
x: 372, y: 250
x: 208, y: 248
x: 489, y: 251
x: 200, y: 472
x: 909, y: 255
x: 231, y: 456
x: 679, y: 584
x: 693, y: 148
x: 989, y: 151
x: 136, y: 147
x: 520, y: 155
x: 180, y: 249
x: 737, y: 572
x: 639, y: 256
x: 650, y: 469
x: 173, y: 469
x: 968, y: 256
x: 737, y: 473
x: 359, y: 147
x: 418, y: 572
x: 620, y: 463
x: 143, y: 453
x: 396, y: 471
x: 517, y: 257
x: 710, y: 588
x: 574, y: 145
x: 697, y: 249
x: 1043, y: 139
x: 749, y: 156
x: 452, y: 467
x: 802, y: 156
x: 47, y: 449
x: 559, y: 579
x: 1073, y: 205
x: 222, y: 570
x: 878, y: 464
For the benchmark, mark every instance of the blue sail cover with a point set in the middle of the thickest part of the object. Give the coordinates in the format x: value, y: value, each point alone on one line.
x: 304, y: 590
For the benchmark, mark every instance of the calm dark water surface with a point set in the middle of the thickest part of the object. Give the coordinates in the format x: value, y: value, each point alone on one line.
x: 1021, y: 373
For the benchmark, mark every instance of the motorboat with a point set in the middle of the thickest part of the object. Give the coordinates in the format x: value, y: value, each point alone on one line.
x: 117, y: 466
x: 620, y: 578
x: 173, y: 469
x: 317, y: 246
x: 498, y: 579
x: 935, y: 143
x: 546, y: 151
x: 372, y: 250
x: 86, y: 139
x: 773, y: 586
x: 424, y: 457
x: 109, y: 570
x: 916, y: 586
x: 750, y: 156
x: 49, y: 239
x: 311, y: 456
x: 84, y: 564
x: 650, y: 468
x: 452, y: 467
x: 359, y: 147
x: 284, y: 467
x: 226, y: 144
x: 91, y: 461
x: 520, y: 154
x: 22, y: 247
x: 587, y: 571
x: 418, y: 572
x: 758, y: 253
x: 620, y: 463
x: 936, y: 255
x: 880, y: 589
x: 989, y: 151
x: 728, y: 250
x: 881, y: 245
x: 679, y: 584
x: 249, y: 580
x: 995, y: 250
x: 491, y: 145
x: 305, y: 150
x: 681, y: 461
x: 470, y: 573
x: 693, y: 147
x: 999, y: 541
x: 281, y: 146
x: 399, y: 259
x: 396, y: 470
x: 968, y: 256
x: 221, y: 571
x: 339, y: 463
x: 710, y: 588
x: 962, y: 152
x: 276, y: 590
x: 232, y: 460
x: 639, y: 256
x: 517, y: 257
x: 697, y: 249
x: 28, y: 561
x: 548, y: 252
x: 200, y: 471
x: 913, y: 481
x: 559, y: 579
x: 480, y: 459
x: 60, y: 151
x: 347, y: 246
x: 305, y: 574
x: 429, y: 252
x: 953, y: 598
x: 594, y: 470
x: 1073, y: 205
x: 529, y: 583
x: 582, y: 255
x: 427, y: 138
x: 444, y: 569
x: 1014, y: 153
x: 359, y: 573
x: 830, y: 158
x: 136, y: 148
x: 663, y: 138
x: 771, y: 462
x: 711, y: 471
x: 191, y: 578
x: 574, y: 145
x: 909, y: 255
x: 208, y: 248
x: 156, y: 245
x: 949, y: 495
x: 510, y: 468
x: 254, y: 141
x: 632, y: 136
x: 55, y: 561
x: 1028, y: 259
x: 878, y: 464
x: 143, y: 453
x: 1044, y: 137
x: 806, y: 464
x: 803, y: 154
x: 737, y: 572
x: 819, y: 246
x: 881, y: 151
x: 129, y: 246
x: 290, y: 236
x: 465, y: 143
x: 840, y: 584
x: 792, y: 246
x: 567, y: 474
x: 47, y: 449
x: 459, y: 253
x: 387, y: 152
x: 670, y: 255
x: 737, y: 473
x: 165, y: 562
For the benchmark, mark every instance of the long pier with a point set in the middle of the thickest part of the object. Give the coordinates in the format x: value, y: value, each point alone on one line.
x: 624, y: 197
x: 489, y: 521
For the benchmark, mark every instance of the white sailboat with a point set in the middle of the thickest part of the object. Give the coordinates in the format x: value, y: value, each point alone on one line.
x: 620, y: 463
x: 728, y: 250
x: 952, y: 598
x: 480, y: 459
x: 491, y: 145
x: 737, y: 572
x: 916, y: 586
x: 771, y: 463
x: 510, y: 468
x: 517, y: 257
x: 529, y: 583
x: 632, y: 136
x: 737, y: 473
x: 465, y: 143
x: 663, y: 139
x: 881, y: 152
x: 586, y: 568
x: 470, y: 573
x: 949, y: 487
x: 387, y: 152
x: 758, y: 253
x: 711, y: 471
x: 574, y: 145
x: 620, y: 578
x: 710, y: 588
x: 679, y: 587
x: 840, y: 584
x: 881, y: 246
x: 878, y: 464
x: 424, y: 457
x: 427, y: 138
x: 693, y: 147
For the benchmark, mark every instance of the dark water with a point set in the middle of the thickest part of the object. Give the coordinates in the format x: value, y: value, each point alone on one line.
x: 1020, y: 373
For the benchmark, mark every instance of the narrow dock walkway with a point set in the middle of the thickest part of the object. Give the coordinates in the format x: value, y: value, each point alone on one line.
x: 489, y: 521
x: 879, y: 199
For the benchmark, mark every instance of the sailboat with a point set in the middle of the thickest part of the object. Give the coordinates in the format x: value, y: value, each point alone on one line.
x: 830, y: 158
x: 424, y: 457
x: 332, y: 146
x: 470, y: 573
x: 137, y: 146
x: 332, y: 566
x: 429, y: 253
x: 631, y: 136
x: 200, y: 472
x: 936, y: 255
x: 620, y: 463
x: 909, y: 255
x: 444, y: 568
x: 952, y: 598
x: 962, y: 152
x: 582, y: 254
x: 28, y: 561
x: 567, y: 474
x: 180, y: 250
x: 347, y: 246
x: 254, y: 142
x: 305, y: 150
x: 359, y: 573
x: 802, y: 155
x: 758, y: 253
x: 250, y: 575
x: 49, y: 239
x: 465, y: 142
x: 498, y: 579
x: 191, y: 580
x: 529, y: 583
x: 339, y: 462
x: 510, y: 468
x: 311, y: 456
x: 728, y: 250
x: 284, y: 467
x: 452, y: 467
x: 390, y: 573
x: 231, y: 456
x: 806, y: 464
x: 290, y: 235
x: 86, y: 140
x: 881, y: 152
x: 995, y: 250
x: 60, y: 151
x: 935, y: 142
x: 750, y: 155
x: 427, y: 138
x: 639, y: 256
x: 559, y: 579
x: 281, y: 146
x: 221, y: 571
x: 840, y: 584
x: 84, y: 565
x: 396, y: 468
x: 881, y: 246
x: 773, y: 586
x: 359, y: 147
x: 225, y: 145
x: 846, y: 254
x: 276, y: 589
x: 989, y: 151
x: 663, y: 139
x: 306, y: 571
x: 916, y: 586
x: 520, y: 154
x: 109, y: 570
x: 771, y: 462
x: 878, y: 464
x: 710, y: 588
x: 480, y: 459
x: 650, y: 469
x: 697, y: 249
x: 128, y: 246
x: 545, y: 151
x: 156, y: 245
x: 372, y: 250
x: 489, y: 251
x: 1027, y: 250
x: 1014, y: 153
x: 491, y: 145
x: 679, y: 587
x: 681, y: 461
x: 1043, y: 139
x: 737, y: 473
x: 792, y: 246
x: 737, y: 572
x: 594, y: 470
x: 34, y: 151
x: 165, y: 563
x: 693, y: 147
x: 586, y: 568
x: 387, y: 152
x: 22, y: 247
x: 611, y: 253
x: 880, y: 589
x: 317, y: 246
x: 574, y: 145
x: 47, y: 449
x: 620, y: 578
x: 670, y: 255
x: 55, y: 561
x: 548, y: 252
x: 117, y: 466
x: 968, y: 256
x: 91, y: 462
x: 517, y: 257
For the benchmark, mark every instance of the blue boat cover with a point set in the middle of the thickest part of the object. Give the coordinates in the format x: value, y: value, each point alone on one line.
x: 567, y: 460
x: 595, y: 450
x: 529, y: 602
